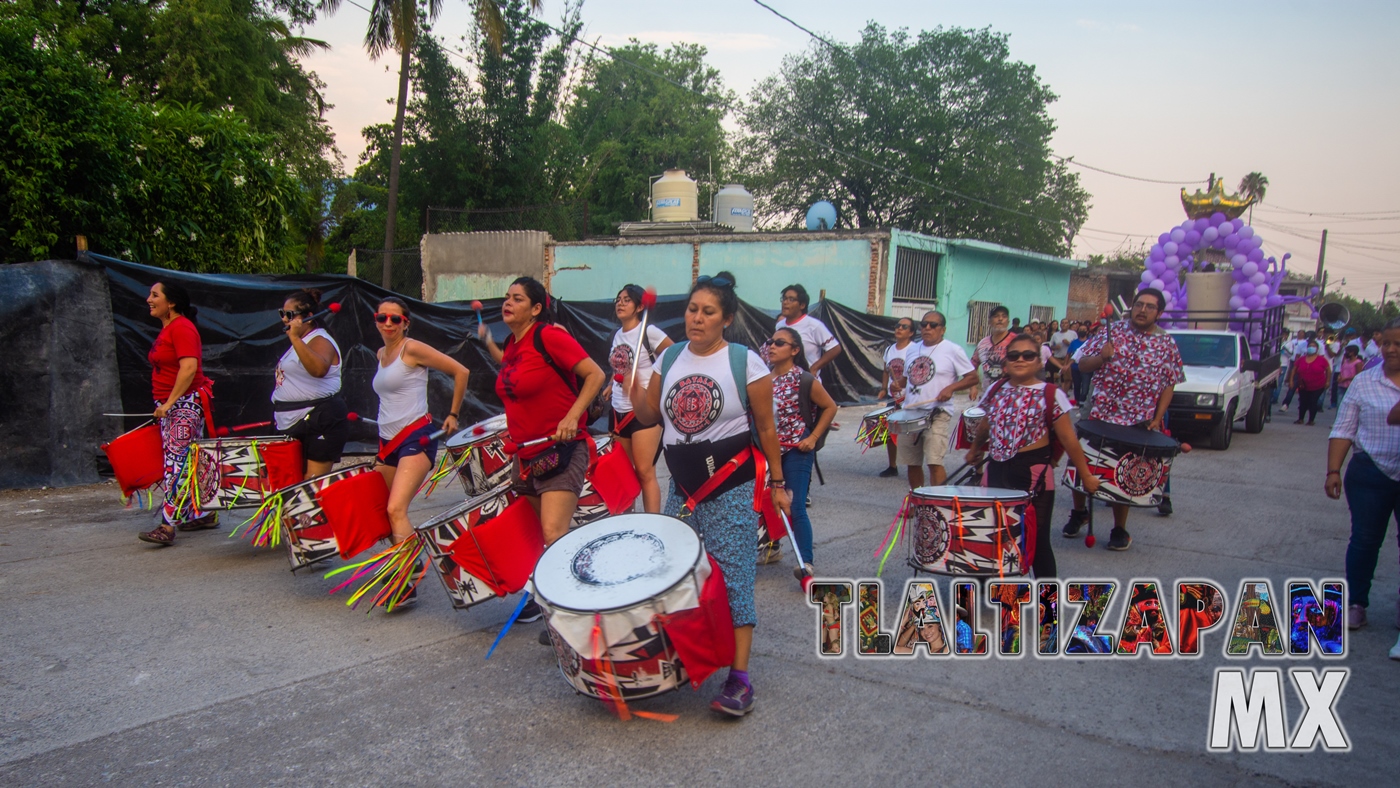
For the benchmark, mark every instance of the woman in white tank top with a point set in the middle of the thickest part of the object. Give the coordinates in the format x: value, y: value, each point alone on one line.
x: 309, y: 372
x: 401, y: 381
x: 639, y: 440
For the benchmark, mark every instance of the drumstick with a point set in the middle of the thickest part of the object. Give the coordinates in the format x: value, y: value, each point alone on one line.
x: 353, y: 416
x: 477, y: 306
x: 129, y: 415
x: 648, y: 301
x: 331, y: 309
x: 524, y: 600
x: 801, y: 565
x: 512, y: 448
x: 225, y: 431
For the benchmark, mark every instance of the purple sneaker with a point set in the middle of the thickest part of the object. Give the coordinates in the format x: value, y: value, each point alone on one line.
x: 734, y: 699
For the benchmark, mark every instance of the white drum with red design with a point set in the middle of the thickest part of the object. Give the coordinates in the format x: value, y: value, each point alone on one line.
x: 973, y: 531
x: 441, y: 532
x: 602, y: 588
x: 486, y: 464
x: 1132, y: 463
x: 310, y: 539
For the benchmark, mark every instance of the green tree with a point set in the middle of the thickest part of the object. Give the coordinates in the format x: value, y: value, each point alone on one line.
x: 1254, y: 185
x: 633, y: 123
x: 919, y: 132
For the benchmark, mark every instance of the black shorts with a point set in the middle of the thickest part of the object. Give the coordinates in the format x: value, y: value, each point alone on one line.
x: 634, y: 425
x: 419, y: 441
x: 323, y: 432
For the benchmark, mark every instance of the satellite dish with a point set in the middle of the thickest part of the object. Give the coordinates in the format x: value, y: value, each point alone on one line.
x: 821, y: 216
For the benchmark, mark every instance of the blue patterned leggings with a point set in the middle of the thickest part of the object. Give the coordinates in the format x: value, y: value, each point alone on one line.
x: 725, y: 524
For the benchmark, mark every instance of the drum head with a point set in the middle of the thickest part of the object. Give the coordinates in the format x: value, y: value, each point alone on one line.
x: 878, y: 412
x: 975, y: 412
x: 947, y: 492
x: 482, y: 430
x: 617, y: 562
x: 1146, y: 442
x: 908, y: 415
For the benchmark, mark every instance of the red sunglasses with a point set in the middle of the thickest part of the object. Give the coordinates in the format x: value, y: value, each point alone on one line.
x: 385, y: 317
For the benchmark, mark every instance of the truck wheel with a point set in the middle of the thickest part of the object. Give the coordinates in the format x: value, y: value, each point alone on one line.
x: 1254, y: 419
x: 1224, y: 431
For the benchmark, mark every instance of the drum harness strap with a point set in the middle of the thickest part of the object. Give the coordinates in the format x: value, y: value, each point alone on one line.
x: 387, y: 448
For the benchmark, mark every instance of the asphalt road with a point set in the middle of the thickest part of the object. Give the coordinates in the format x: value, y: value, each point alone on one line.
x: 210, y: 664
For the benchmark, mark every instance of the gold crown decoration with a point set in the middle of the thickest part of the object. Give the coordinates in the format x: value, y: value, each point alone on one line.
x: 1202, y: 204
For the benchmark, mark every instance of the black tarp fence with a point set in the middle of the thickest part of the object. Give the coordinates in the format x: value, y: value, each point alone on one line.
x: 243, y: 338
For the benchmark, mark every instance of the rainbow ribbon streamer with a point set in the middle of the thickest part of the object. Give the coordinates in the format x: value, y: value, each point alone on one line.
x: 870, y: 437
x: 265, y: 524
x: 143, y: 500
x: 392, y: 575
x: 892, y: 535
x: 446, y: 467
x: 187, y: 486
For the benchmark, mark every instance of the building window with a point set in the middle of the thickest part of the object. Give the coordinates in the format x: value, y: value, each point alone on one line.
x: 915, y: 275
x: 979, y: 319
x: 1043, y: 314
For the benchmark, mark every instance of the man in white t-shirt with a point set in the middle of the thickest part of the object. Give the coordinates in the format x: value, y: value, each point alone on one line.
x: 935, y: 369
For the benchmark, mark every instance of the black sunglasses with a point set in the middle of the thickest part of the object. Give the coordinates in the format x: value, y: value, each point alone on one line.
x: 290, y: 315
x: 1021, y: 355
x: 385, y: 317
x: 781, y: 343
x: 930, y: 323
x: 717, y: 281
x: 904, y: 327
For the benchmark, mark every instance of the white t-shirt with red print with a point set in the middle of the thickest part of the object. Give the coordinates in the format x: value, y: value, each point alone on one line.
x: 699, y: 398
x: 624, y: 344
x: 930, y: 369
x: 894, y: 366
x: 1016, y: 417
x: 1127, y: 386
x: 816, y: 337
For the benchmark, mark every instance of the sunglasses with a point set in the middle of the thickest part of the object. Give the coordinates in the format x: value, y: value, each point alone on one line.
x: 904, y: 327
x: 781, y: 343
x: 930, y: 324
x: 717, y: 281
x: 1021, y: 355
x: 385, y: 317
x: 290, y: 315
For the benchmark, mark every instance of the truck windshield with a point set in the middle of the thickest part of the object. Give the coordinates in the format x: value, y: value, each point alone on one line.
x: 1207, y: 350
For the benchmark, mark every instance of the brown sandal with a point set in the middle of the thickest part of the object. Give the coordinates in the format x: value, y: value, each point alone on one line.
x: 204, y: 523
x: 158, y: 536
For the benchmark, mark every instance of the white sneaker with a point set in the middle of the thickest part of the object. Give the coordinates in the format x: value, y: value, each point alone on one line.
x: 1283, y: 409
x: 1395, y: 650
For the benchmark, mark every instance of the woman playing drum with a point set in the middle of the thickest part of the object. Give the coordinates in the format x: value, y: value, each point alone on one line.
x: 705, y: 409
x: 1016, y: 433
x: 638, y: 439
x: 406, y: 446
x: 546, y: 383
x: 306, y: 402
x: 181, y: 395
x: 797, y: 437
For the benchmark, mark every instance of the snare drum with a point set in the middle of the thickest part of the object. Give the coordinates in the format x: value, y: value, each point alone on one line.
x: 967, y: 427
x: 486, y: 464
x: 968, y: 531
x: 873, y: 428
x: 619, y: 574
x: 440, y: 536
x: 908, y: 422
x: 238, y: 472
x: 1132, y: 463
x: 310, y: 538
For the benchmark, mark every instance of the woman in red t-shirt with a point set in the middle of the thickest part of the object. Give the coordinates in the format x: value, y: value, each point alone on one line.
x: 1311, y: 375
x: 544, y: 398
x: 181, y: 395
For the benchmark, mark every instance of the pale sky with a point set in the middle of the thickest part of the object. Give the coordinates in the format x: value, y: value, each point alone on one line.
x: 1305, y: 93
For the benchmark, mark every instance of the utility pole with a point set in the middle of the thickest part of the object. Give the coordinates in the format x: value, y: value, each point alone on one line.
x: 1321, y: 255
x: 1385, y: 292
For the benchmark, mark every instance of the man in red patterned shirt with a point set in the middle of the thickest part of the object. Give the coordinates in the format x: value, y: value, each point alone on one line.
x: 1136, y: 367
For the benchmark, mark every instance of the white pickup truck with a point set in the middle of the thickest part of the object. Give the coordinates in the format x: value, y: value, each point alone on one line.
x: 1227, y: 379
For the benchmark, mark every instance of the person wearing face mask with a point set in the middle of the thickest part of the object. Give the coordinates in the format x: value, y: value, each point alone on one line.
x: 1310, y: 375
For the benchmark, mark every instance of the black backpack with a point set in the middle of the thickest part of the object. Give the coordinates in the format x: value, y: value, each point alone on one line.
x: 810, y: 416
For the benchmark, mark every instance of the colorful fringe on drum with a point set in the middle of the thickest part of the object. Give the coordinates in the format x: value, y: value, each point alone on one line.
x: 615, y: 701
x: 869, y: 437
x: 145, y: 500
x: 901, y: 518
x: 265, y: 524
x: 187, y: 499
x: 392, y: 574
x: 447, y: 466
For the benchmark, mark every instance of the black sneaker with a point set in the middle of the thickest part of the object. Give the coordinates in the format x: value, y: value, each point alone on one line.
x: 889, y: 473
x: 1165, y: 507
x: 1118, y: 539
x: 1077, y: 519
x: 408, y: 601
x: 531, y: 612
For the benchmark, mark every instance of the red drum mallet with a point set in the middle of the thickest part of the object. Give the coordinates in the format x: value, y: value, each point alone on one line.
x: 331, y: 309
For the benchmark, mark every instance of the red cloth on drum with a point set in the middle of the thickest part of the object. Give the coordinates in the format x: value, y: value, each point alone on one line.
x: 613, y: 476
x: 137, y: 458
x: 358, y: 510
x: 503, y: 551
x: 283, y: 462
x: 704, y: 636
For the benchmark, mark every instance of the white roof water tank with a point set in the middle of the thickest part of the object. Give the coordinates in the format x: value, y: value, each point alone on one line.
x: 734, y: 207
x: 675, y: 198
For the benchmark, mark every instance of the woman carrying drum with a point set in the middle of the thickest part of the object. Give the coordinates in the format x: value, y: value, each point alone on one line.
x: 1016, y: 432
x: 640, y: 440
x: 406, y: 446
x: 704, y: 395
x: 546, y: 383
x: 799, y: 428
x: 181, y: 394
x: 306, y: 403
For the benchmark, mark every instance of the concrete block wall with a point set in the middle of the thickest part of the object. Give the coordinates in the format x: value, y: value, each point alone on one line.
x: 464, y: 266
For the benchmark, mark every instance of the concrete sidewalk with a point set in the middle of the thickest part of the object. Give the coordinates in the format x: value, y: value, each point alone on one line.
x: 210, y: 663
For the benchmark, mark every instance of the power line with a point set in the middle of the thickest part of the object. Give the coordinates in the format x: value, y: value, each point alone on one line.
x: 1395, y: 213
x: 1071, y: 160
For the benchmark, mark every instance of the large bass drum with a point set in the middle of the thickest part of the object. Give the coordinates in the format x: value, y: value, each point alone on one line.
x: 1132, y: 463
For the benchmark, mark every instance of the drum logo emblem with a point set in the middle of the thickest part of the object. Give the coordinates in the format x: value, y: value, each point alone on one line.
x: 921, y: 370
x: 1136, y: 475
x: 694, y: 403
x: 621, y: 358
x: 930, y: 534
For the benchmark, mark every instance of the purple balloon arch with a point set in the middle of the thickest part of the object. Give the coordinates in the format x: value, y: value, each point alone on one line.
x: 1257, y: 278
